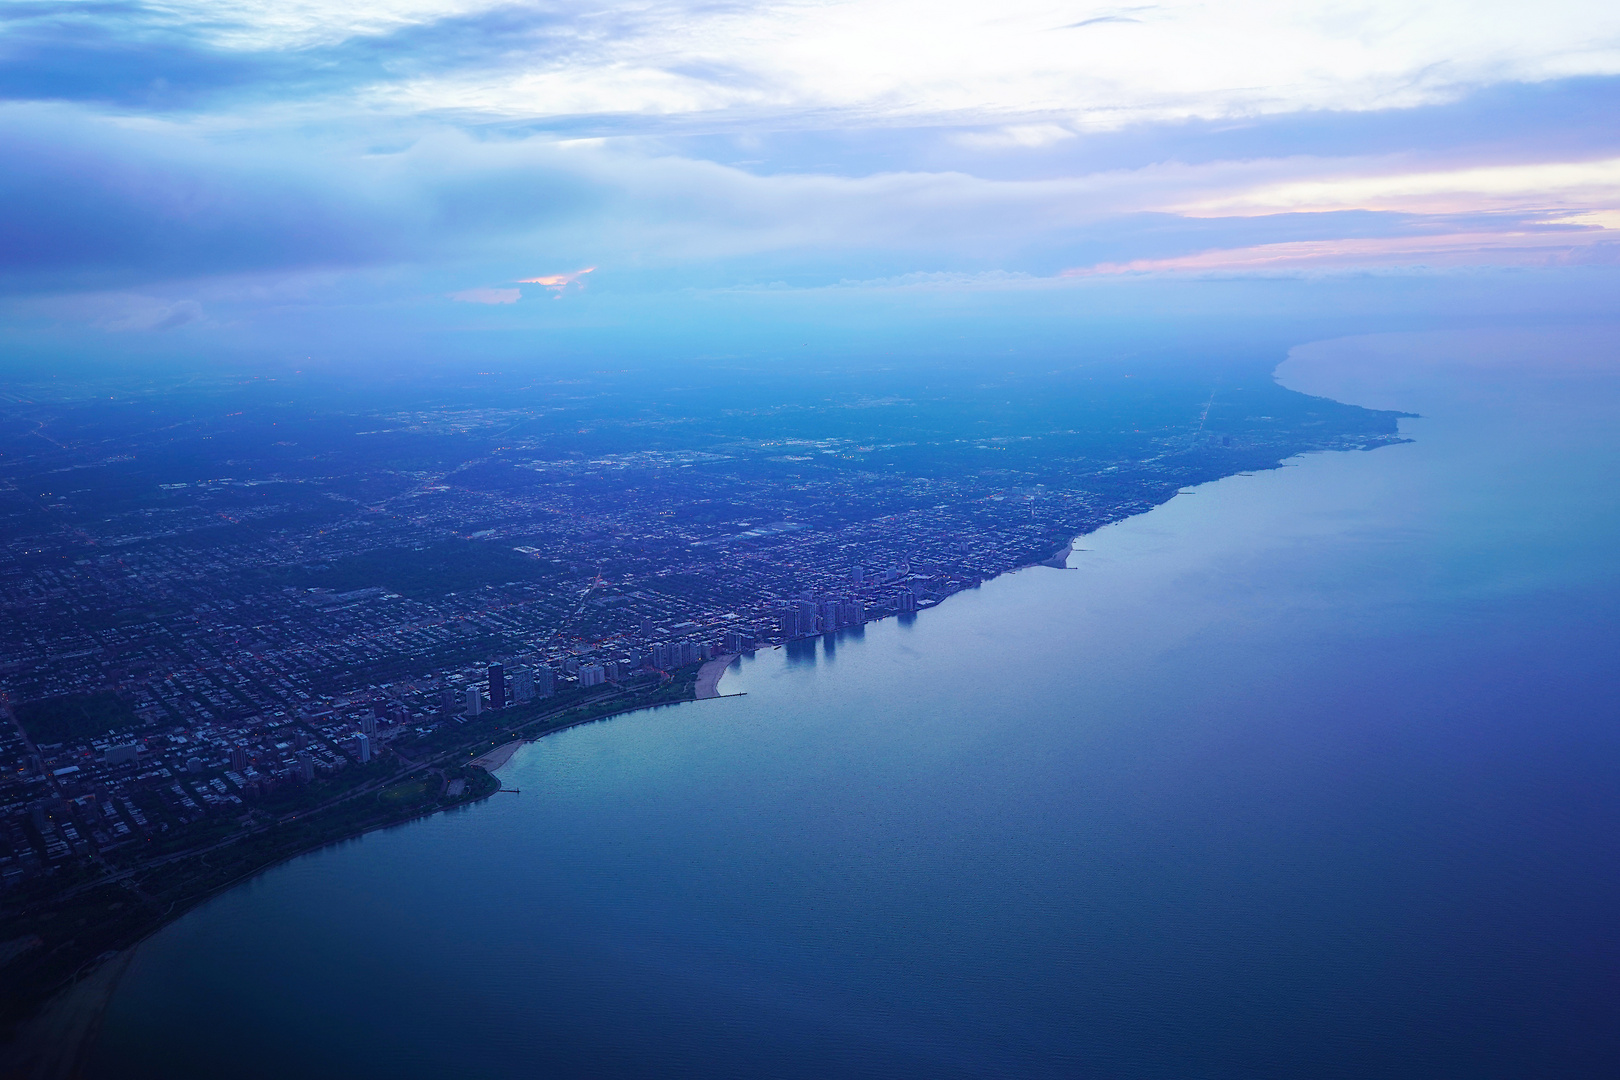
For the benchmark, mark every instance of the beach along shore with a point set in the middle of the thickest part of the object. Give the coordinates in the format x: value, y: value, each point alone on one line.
x: 708, y: 679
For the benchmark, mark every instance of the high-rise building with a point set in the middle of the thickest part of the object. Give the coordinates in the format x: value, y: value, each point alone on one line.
x: 368, y: 724
x: 545, y: 680
x: 239, y: 758
x: 660, y: 656
x: 523, y: 685
x: 857, y: 575
x: 905, y: 600
x: 615, y: 670
x: 592, y: 675
x: 829, y: 616
x: 739, y: 641
x: 475, y: 701
x: 362, y: 748
x: 447, y: 700
x: 497, y: 686
x: 305, y: 767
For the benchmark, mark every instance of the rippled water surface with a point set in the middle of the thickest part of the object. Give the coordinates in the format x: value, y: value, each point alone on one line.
x: 1310, y: 773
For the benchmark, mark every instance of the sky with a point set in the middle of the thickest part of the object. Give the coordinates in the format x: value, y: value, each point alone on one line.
x: 466, y: 181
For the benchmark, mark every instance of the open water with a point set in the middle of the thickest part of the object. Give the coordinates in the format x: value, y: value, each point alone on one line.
x: 1310, y: 773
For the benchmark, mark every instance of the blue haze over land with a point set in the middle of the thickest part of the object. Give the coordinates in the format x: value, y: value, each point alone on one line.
x: 1306, y: 773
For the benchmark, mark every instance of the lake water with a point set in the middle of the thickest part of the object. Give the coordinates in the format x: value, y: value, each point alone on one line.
x: 1310, y: 773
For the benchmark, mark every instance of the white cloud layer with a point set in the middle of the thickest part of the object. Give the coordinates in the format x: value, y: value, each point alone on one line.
x: 1579, y: 186
x: 492, y: 152
x: 1081, y: 65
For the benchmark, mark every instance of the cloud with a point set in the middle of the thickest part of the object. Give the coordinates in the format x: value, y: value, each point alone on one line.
x: 1450, y: 250
x: 1542, y: 184
x: 93, y: 203
x: 870, y: 63
x: 488, y: 296
x: 1097, y: 20
x: 266, y: 159
x: 558, y: 283
x: 880, y: 60
x: 121, y: 313
x: 178, y: 315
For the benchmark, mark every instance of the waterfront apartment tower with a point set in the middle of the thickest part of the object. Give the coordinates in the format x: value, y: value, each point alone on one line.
x: 809, y: 623
x: 497, y: 686
x: 829, y: 616
x: 475, y: 701
x: 522, y: 685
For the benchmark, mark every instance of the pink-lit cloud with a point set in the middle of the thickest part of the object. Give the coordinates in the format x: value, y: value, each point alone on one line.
x: 1507, y: 248
x: 1569, y: 186
x: 557, y: 283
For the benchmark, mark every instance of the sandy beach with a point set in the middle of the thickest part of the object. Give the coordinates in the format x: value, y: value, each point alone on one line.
x: 1060, y: 559
x: 57, y: 1042
x: 497, y: 757
x: 708, y: 680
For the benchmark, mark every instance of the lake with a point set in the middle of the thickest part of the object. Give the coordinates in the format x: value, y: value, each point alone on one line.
x: 1308, y: 773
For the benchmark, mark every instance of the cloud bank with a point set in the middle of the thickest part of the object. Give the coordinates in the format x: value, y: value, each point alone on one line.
x: 254, y: 158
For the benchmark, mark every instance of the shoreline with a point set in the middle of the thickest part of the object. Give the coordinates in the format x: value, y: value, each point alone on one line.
x: 709, y: 676
x: 55, y: 1042
x: 58, y: 1040
x: 707, y: 686
x: 494, y: 759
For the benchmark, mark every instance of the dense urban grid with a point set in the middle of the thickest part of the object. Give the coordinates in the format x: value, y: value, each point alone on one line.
x: 227, y: 610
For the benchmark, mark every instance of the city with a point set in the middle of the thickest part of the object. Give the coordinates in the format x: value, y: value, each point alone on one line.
x: 206, y: 646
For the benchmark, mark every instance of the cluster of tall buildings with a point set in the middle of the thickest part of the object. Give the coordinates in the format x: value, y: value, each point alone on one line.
x: 802, y: 618
x: 499, y: 690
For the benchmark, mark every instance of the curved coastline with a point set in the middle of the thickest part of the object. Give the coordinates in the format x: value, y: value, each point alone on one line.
x: 98, y: 986
x: 709, y: 676
x: 56, y: 1041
